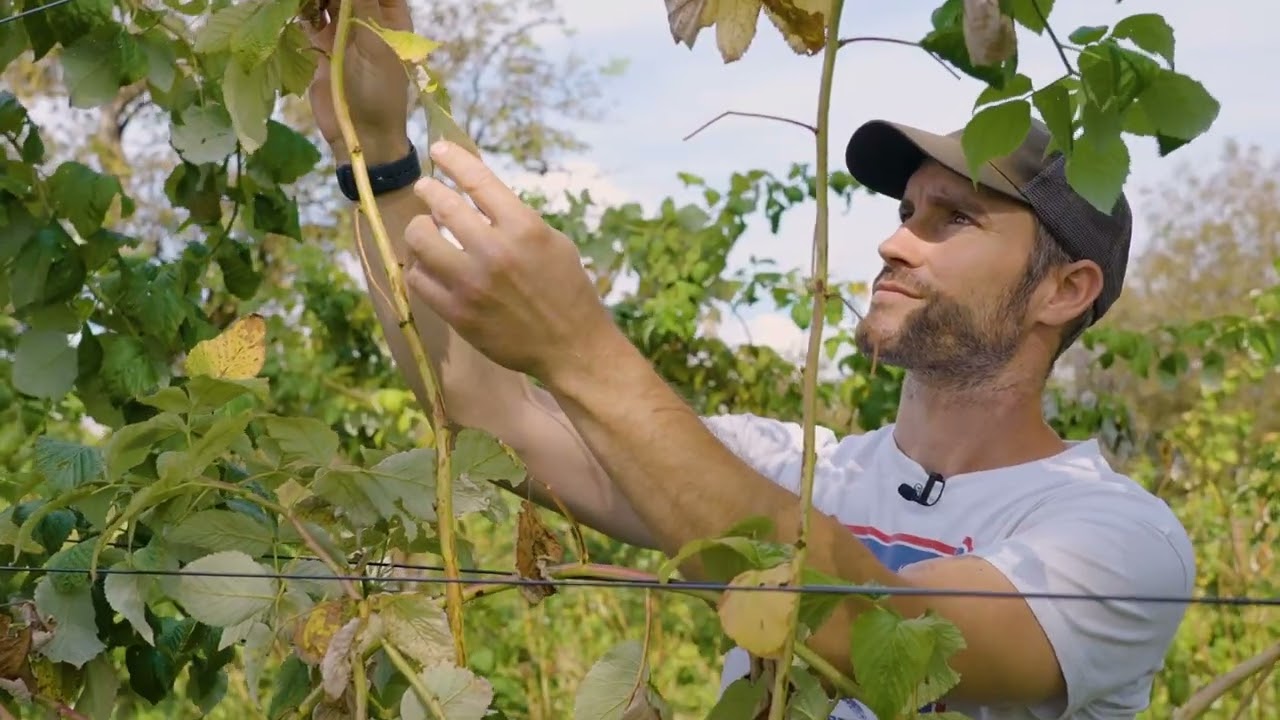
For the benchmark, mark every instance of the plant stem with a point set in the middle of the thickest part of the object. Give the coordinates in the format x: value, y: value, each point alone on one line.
x: 1205, y: 697
x: 429, y: 701
x: 439, y: 419
x: 778, y: 703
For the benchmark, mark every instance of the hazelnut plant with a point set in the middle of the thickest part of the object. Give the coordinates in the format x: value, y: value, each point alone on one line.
x: 206, y: 530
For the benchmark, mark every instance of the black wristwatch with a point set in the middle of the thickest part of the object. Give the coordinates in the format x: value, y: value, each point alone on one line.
x: 383, y: 178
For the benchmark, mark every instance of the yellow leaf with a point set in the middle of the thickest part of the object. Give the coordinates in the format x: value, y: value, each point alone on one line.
x: 311, y: 636
x: 803, y: 23
x: 757, y: 620
x: 410, y: 47
x: 988, y: 33
x: 238, y: 353
x: 736, y: 27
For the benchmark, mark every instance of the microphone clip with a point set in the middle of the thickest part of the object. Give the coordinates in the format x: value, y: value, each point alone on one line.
x: 923, y: 494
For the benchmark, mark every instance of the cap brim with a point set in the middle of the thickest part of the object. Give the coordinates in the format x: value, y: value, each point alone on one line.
x: 882, y: 156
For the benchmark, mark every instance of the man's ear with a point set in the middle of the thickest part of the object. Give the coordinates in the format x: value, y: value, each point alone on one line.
x: 1074, y: 288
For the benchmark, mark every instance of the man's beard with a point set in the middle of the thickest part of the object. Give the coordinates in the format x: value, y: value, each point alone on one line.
x: 949, y: 344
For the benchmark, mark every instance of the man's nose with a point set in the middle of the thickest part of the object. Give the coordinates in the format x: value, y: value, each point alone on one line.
x: 902, y: 248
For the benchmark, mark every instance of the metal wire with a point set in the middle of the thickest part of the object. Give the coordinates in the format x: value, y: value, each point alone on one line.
x: 33, y: 11
x: 678, y: 585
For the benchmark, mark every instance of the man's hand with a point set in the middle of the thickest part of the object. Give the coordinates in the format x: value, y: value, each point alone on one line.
x: 377, y: 86
x: 516, y: 290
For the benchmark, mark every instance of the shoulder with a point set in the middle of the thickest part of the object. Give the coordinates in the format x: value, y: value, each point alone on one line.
x: 1095, y: 532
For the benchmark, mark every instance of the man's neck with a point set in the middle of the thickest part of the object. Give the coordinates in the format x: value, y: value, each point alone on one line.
x: 950, y: 431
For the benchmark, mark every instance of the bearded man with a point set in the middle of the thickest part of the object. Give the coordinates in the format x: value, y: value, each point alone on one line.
x: 970, y: 489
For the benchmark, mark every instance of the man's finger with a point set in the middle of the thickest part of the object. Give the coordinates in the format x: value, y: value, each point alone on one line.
x: 452, y: 211
x: 434, y: 254
x: 475, y: 179
x: 396, y: 15
x: 431, y: 291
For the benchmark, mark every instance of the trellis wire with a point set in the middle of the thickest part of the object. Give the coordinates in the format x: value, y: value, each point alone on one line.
x: 33, y: 11
x: 678, y: 585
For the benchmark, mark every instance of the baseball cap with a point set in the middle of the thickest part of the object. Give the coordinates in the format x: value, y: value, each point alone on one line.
x: 882, y: 155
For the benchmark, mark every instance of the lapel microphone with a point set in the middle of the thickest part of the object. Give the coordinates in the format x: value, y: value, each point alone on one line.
x: 923, y: 494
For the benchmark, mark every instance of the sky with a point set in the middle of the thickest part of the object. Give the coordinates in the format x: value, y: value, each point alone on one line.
x: 669, y: 90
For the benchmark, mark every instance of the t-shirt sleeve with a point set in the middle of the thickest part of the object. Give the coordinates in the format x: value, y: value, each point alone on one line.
x: 773, y: 448
x: 1101, y: 543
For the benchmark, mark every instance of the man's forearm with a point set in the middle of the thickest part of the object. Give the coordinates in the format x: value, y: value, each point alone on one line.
x: 686, y: 485
x: 478, y: 393
x: 679, y: 477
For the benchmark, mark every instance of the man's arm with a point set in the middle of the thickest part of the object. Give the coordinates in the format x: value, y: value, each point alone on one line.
x: 684, y: 484
x: 480, y: 394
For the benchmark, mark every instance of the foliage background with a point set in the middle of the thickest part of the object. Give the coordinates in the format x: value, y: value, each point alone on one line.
x: 1176, y: 381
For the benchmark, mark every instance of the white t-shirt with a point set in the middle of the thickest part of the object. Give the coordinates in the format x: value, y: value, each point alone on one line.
x: 1066, y: 524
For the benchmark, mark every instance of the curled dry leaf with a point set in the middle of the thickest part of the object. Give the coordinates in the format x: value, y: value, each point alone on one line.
x: 758, y: 620
x: 988, y: 33
x: 536, y: 549
x: 335, y: 668
x: 801, y: 22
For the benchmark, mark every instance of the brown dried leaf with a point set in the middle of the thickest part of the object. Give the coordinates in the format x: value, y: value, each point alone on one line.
x: 688, y: 17
x: 15, y: 646
x: 803, y: 23
x: 536, y: 549
x: 758, y: 620
x: 988, y: 33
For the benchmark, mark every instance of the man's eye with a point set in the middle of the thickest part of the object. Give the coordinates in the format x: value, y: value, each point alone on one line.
x: 959, y: 217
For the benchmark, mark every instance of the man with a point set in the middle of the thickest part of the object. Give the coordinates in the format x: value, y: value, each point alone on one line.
x: 981, y: 288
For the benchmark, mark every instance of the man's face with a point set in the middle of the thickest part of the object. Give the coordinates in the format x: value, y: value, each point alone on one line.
x: 951, y: 302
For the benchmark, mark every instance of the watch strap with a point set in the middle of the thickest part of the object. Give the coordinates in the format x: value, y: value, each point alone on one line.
x: 383, y: 178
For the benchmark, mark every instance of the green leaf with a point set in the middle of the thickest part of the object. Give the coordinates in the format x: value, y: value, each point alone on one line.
x: 218, y: 530
x: 67, y: 465
x: 892, y: 656
x: 129, y: 445
x: 1030, y: 14
x: 126, y: 593
x: 1098, y: 166
x: 101, y: 688
x: 216, y: 33
x: 128, y: 369
x: 1053, y: 102
x: 994, y: 132
x: 739, y: 700
x: 293, y: 682
x: 480, y: 456
x: 83, y: 195
x: 44, y: 365
x: 256, y: 39
x: 417, y: 626
x: 939, y: 678
x: 222, y: 600
x: 75, y: 634
x: 70, y: 567
x: 728, y: 556
x: 810, y: 701
x: 285, y: 156
x: 249, y: 96
x: 1018, y: 85
x: 462, y: 695
x: 1178, y: 106
x: 294, y: 61
x: 162, y: 61
x: 97, y: 65
x: 205, y: 134
x: 1086, y: 34
x: 610, y: 685
x: 305, y: 439
x: 1150, y: 32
